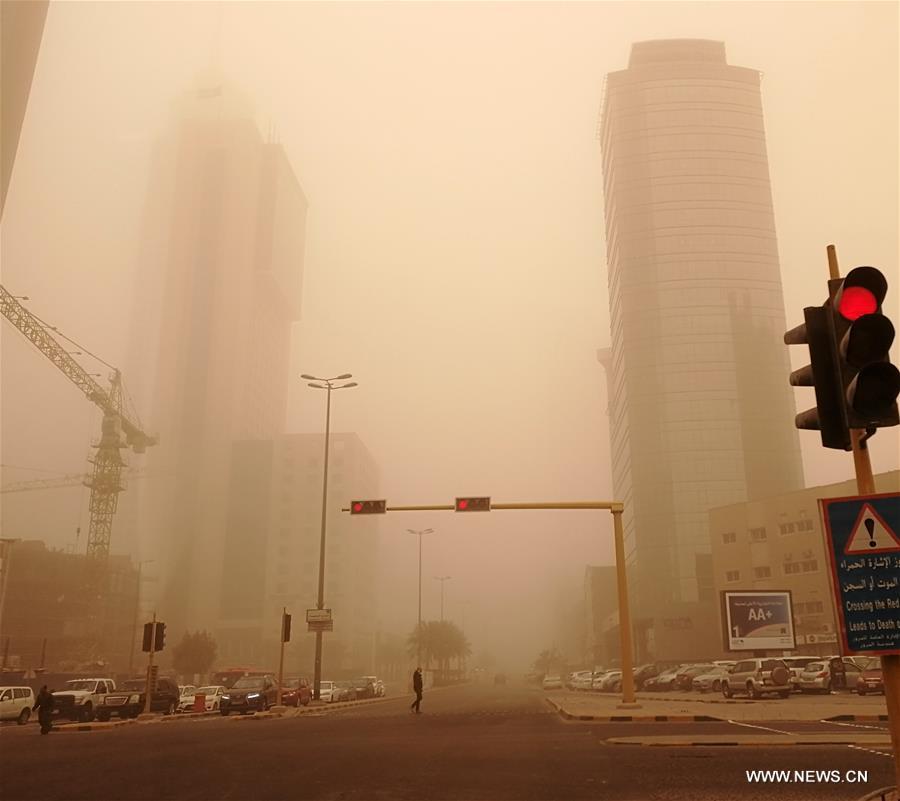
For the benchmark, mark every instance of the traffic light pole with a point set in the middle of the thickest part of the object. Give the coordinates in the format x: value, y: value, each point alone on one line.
x: 320, y: 603
x: 865, y: 485
x: 617, y: 508
x: 281, y: 658
x: 147, y: 686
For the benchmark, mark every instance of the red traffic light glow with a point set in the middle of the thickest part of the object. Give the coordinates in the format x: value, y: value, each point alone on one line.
x: 463, y: 504
x: 856, y: 301
x: 357, y: 507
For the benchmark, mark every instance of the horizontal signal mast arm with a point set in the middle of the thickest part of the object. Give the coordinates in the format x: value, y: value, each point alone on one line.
x: 614, y: 506
x: 36, y: 333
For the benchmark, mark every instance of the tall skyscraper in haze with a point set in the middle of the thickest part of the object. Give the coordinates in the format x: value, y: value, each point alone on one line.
x: 219, y: 291
x: 701, y: 413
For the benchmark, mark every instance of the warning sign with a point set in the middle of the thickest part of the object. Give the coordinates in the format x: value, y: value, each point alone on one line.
x: 863, y: 549
x: 871, y: 534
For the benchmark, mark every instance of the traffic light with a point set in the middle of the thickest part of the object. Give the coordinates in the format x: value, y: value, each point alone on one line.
x: 160, y: 637
x: 148, y: 635
x: 473, y: 505
x: 285, y: 627
x: 863, y: 337
x: 849, y: 339
x: 368, y: 507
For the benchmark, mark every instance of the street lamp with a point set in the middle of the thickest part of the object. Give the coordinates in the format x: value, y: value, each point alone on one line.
x: 326, y: 384
x: 419, y: 626
x: 442, y: 579
x: 6, y: 549
x: 137, y: 611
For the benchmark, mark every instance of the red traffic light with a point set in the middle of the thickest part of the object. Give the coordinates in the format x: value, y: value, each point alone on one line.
x: 479, y: 504
x: 857, y: 301
x: 378, y: 507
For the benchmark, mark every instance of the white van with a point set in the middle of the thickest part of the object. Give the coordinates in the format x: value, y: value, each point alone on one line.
x: 16, y: 703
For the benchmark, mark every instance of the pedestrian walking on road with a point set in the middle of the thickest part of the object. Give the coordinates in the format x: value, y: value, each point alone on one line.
x: 417, y: 688
x: 44, y: 706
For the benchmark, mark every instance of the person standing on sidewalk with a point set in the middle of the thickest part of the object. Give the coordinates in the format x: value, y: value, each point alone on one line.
x: 44, y: 706
x: 417, y: 688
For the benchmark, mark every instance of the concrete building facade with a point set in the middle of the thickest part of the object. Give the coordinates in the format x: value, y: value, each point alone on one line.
x: 701, y: 413
x: 778, y: 543
x: 271, y: 553
x: 219, y: 291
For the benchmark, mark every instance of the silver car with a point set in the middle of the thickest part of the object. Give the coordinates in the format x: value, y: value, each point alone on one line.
x: 757, y: 677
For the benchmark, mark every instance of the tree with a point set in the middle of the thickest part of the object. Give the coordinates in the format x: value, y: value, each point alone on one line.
x: 195, y: 653
x: 440, y: 640
x: 546, y: 660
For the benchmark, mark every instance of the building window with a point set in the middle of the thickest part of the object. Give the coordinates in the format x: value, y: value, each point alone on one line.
x: 732, y: 575
x: 758, y: 534
x: 762, y: 572
x: 804, y: 525
x: 786, y: 528
x: 729, y: 537
x: 806, y: 566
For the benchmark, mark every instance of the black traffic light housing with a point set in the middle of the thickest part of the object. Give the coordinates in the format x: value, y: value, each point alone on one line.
x: 368, y: 507
x: 160, y: 637
x: 286, y: 627
x: 147, y: 643
x: 478, y: 504
x: 849, y: 341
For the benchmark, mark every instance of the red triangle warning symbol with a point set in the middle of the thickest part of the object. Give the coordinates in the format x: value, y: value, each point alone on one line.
x: 871, y: 534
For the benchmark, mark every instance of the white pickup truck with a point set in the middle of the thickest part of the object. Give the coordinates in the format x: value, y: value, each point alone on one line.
x: 81, y: 698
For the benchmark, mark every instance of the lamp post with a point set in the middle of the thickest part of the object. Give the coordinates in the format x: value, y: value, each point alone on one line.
x: 328, y: 385
x: 442, y: 579
x: 137, y: 610
x: 419, y: 624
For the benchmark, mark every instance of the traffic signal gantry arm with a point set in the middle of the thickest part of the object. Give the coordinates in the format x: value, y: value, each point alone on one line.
x: 110, y: 402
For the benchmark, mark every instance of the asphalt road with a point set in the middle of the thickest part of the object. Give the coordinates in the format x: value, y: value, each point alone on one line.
x: 474, y: 743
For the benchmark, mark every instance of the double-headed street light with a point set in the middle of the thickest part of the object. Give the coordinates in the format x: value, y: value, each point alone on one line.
x: 326, y: 384
x: 419, y: 627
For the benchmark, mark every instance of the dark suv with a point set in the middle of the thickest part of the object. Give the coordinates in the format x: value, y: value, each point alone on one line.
x: 128, y: 701
x: 250, y: 694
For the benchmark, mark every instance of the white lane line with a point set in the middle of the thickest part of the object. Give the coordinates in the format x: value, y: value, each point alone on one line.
x: 854, y: 725
x: 764, y: 728
x: 871, y: 751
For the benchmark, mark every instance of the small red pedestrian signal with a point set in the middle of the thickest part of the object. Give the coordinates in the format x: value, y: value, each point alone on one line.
x: 368, y: 507
x: 480, y: 504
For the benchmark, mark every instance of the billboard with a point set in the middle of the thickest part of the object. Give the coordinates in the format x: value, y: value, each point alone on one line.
x: 757, y: 620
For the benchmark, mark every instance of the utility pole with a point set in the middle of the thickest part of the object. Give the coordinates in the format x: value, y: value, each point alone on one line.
x: 281, y: 655
x: 149, y: 682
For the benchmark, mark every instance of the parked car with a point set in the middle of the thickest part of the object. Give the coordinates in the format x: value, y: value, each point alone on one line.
x: 711, y: 680
x: 250, y: 694
x: 643, y: 673
x: 81, y: 698
x: 296, y: 692
x: 685, y: 677
x: 870, y: 679
x: 329, y: 692
x: 16, y: 703
x: 664, y: 681
x: 129, y: 700
x: 211, y: 702
x: 378, y: 684
x: 584, y: 680
x: 186, y: 689
x: 796, y: 664
x: 607, y: 683
x: 821, y: 676
x: 552, y: 683
x: 185, y: 696
x: 364, y: 687
x: 346, y: 691
x: 757, y: 677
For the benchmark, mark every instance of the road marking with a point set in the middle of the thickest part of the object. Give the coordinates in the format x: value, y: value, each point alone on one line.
x: 871, y: 751
x: 764, y: 728
x: 853, y: 725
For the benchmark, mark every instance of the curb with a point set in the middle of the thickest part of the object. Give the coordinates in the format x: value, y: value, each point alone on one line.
x: 94, y: 726
x: 861, y: 718
x: 750, y: 741
x: 884, y: 794
x: 565, y: 715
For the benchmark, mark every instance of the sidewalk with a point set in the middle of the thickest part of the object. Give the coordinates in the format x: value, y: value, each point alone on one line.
x: 666, y: 706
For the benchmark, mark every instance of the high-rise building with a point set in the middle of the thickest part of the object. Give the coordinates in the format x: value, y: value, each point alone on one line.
x: 271, y: 552
x: 701, y: 413
x: 219, y: 290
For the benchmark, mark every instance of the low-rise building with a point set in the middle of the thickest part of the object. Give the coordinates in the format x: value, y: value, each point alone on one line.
x: 777, y: 543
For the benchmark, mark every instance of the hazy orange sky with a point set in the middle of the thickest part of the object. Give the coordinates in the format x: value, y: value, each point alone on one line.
x: 455, y: 260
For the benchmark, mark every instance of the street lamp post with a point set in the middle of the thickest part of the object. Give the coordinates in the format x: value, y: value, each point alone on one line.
x: 442, y: 579
x: 419, y: 624
x: 328, y: 385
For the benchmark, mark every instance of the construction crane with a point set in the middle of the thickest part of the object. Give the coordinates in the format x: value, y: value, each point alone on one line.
x: 105, y: 479
x: 60, y: 482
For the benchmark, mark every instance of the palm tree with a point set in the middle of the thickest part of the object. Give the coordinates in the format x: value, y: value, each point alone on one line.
x: 440, y: 640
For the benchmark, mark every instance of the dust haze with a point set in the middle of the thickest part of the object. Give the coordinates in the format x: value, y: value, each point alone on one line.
x: 453, y: 260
